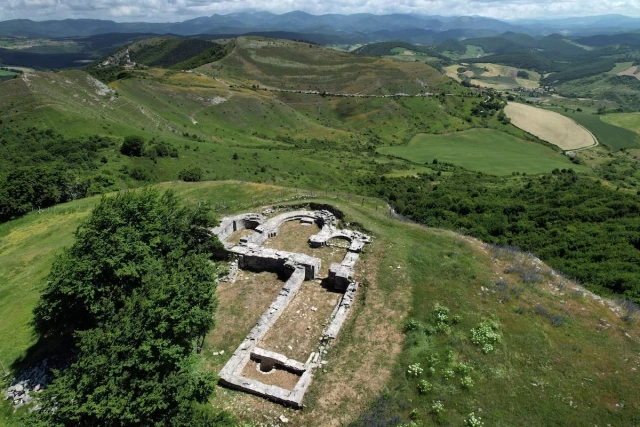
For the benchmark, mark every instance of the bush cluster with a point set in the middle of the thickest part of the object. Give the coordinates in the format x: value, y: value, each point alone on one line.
x: 485, y: 335
x: 191, y: 175
x: 136, y: 146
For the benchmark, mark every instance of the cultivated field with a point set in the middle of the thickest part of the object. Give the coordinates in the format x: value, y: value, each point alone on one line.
x: 550, y: 126
x: 607, y: 132
x: 483, y: 150
x: 630, y: 121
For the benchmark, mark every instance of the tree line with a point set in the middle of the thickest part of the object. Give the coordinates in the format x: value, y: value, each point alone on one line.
x: 573, y: 222
x: 40, y: 168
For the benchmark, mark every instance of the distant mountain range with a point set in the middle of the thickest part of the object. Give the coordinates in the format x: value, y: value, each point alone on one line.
x: 356, y: 27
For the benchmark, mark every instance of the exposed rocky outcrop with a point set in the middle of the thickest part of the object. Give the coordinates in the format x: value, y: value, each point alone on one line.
x: 24, y: 388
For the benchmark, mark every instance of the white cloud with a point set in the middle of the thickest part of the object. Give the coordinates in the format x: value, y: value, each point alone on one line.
x: 176, y: 10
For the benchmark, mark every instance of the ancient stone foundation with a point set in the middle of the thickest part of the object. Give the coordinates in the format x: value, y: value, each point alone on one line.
x: 251, y: 255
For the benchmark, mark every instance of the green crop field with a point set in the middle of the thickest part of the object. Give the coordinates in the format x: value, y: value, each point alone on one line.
x: 608, y: 133
x: 630, y: 121
x: 7, y: 75
x: 483, y: 150
x: 620, y: 66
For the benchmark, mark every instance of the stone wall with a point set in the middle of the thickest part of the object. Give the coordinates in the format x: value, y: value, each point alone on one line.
x: 251, y: 255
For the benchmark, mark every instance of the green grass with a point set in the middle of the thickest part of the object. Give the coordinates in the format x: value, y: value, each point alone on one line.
x: 608, y: 134
x: 630, y: 121
x: 27, y: 249
x: 472, y: 52
x: 7, y: 75
x: 620, y: 66
x: 410, y: 172
x: 539, y: 373
x: 482, y: 150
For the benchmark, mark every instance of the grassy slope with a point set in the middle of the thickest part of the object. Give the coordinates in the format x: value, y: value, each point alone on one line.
x: 163, y: 109
x: 573, y: 374
x: 227, y: 120
x: 291, y: 65
x: 487, y: 151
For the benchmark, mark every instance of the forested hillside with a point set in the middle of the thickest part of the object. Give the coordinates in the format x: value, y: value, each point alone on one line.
x: 41, y: 168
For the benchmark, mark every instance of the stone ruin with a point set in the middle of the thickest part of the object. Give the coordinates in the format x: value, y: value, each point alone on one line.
x: 250, y: 255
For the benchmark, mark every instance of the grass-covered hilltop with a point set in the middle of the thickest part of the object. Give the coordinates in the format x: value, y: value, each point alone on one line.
x: 498, y: 190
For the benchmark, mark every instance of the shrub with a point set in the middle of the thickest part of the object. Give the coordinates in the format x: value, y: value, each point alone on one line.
x: 191, y: 175
x: 433, y: 359
x: 447, y: 374
x: 451, y: 356
x: 557, y: 320
x: 466, y: 382
x: 140, y: 174
x: 411, y: 325
x: 441, y: 318
x: 162, y: 150
x: 485, y: 335
x: 473, y: 421
x: 437, y: 407
x: 424, y: 387
x: 463, y: 369
x: 133, y: 146
x: 415, y: 370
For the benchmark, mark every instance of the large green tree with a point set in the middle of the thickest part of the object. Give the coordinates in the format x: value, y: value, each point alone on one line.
x: 133, y: 295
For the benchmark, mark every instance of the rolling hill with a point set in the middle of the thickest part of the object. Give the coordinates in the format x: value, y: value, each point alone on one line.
x: 299, y: 66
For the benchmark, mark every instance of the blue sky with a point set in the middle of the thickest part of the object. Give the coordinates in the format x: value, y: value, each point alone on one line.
x: 179, y: 10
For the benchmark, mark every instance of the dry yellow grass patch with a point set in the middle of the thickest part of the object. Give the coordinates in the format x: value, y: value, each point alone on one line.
x: 493, y: 70
x: 297, y: 332
x: 452, y: 71
x: 631, y: 71
x: 550, y: 126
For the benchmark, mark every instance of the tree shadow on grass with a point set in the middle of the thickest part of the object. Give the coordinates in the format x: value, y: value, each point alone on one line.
x: 58, y: 353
